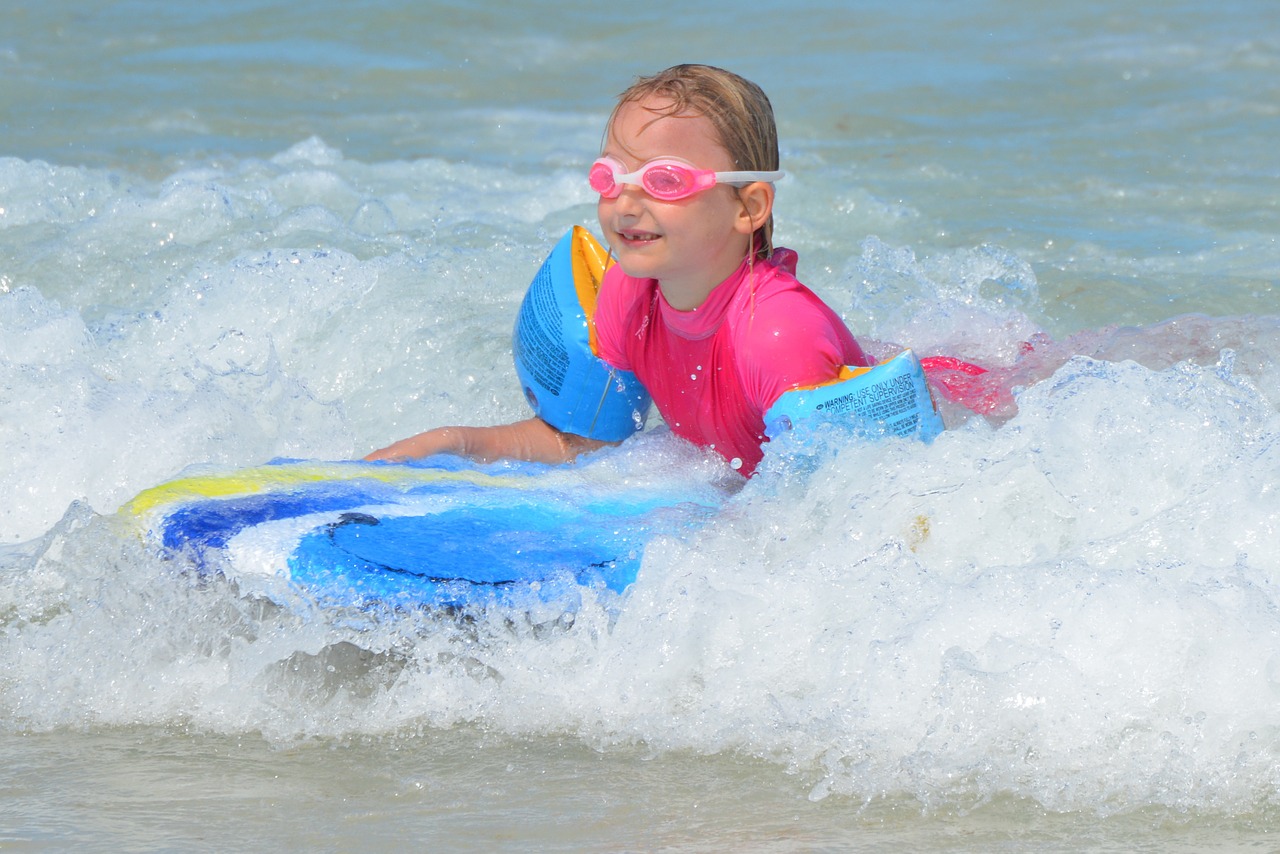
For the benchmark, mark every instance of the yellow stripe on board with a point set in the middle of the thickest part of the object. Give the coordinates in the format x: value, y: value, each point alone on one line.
x: 254, y: 481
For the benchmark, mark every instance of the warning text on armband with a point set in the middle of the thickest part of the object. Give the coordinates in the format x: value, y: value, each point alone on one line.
x: 892, y: 401
x: 538, y: 338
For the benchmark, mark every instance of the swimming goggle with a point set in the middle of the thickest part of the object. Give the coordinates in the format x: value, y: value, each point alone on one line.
x: 666, y: 178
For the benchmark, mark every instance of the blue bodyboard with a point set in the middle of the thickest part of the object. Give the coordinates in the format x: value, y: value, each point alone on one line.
x: 442, y: 534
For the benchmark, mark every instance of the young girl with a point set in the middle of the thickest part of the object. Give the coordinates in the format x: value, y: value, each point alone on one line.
x: 700, y: 306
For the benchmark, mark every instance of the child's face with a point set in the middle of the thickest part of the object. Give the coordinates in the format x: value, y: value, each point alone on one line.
x: 689, y: 245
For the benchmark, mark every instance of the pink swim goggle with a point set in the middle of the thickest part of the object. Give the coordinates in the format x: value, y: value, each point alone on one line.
x: 666, y: 178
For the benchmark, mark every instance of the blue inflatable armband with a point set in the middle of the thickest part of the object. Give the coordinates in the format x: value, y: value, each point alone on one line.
x: 566, y: 383
x: 892, y: 396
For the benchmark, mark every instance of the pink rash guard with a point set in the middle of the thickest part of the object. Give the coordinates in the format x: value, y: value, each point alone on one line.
x: 715, y: 370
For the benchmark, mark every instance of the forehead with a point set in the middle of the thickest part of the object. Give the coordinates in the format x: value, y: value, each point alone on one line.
x: 642, y: 130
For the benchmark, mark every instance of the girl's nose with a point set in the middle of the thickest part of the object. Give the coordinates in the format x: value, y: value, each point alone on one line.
x: 630, y: 199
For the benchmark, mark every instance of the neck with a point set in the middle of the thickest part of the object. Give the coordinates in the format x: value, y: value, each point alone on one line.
x: 688, y: 294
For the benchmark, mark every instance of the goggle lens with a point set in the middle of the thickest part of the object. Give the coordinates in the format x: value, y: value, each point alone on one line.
x: 601, y: 179
x: 668, y: 181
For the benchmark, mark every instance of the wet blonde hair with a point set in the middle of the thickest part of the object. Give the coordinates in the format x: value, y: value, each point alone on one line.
x: 738, y: 109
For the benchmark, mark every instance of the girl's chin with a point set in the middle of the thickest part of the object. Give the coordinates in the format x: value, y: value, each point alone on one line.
x: 634, y: 269
x: 635, y: 259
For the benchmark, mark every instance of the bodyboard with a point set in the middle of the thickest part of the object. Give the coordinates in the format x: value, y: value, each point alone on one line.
x: 441, y: 534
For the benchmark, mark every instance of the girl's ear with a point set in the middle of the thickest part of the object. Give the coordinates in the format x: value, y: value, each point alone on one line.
x: 757, y: 204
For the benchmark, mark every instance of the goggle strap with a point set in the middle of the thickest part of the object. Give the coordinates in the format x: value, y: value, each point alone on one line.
x: 748, y: 177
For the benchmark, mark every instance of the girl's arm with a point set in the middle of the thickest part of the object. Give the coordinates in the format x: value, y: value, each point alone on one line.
x: 533, y: 439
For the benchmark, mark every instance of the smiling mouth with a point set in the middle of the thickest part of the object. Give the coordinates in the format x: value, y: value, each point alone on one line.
x: 638, y: 237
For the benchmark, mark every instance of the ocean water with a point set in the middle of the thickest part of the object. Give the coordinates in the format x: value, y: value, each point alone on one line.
x: 238, y: 231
